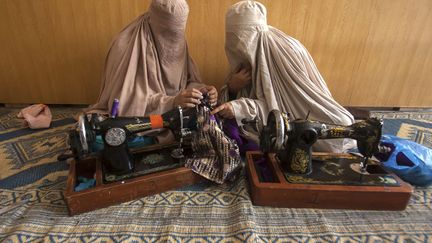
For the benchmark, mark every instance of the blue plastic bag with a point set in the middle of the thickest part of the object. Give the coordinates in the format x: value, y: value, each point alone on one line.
x: 409, y: 160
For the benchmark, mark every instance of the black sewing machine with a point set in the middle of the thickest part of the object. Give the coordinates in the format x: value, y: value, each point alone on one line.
x: 294, y: 176
x: 293, y: 140
x: 117, y: 131
x: 121, y: 173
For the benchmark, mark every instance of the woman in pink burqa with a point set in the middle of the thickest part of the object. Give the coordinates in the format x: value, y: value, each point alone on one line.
x: 148, y: 67
x: 271, y: 70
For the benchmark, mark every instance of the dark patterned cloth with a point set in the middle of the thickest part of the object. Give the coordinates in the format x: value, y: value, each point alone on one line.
x: 216, y: 157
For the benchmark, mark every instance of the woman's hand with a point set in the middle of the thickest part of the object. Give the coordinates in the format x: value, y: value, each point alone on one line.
x: 225, y: 110
x: 239, y: 80
x: 188, y: 98
x: 212, y: 94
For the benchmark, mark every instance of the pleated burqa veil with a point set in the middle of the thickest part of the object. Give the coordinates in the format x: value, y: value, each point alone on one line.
x: 284, y: 76
x: 148, y: 62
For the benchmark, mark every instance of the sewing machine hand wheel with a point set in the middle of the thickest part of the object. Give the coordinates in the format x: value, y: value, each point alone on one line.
x: 272, y: 137
x: 80, y: 138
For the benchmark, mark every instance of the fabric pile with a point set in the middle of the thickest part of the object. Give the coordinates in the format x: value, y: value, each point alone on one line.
x: 216, y: 157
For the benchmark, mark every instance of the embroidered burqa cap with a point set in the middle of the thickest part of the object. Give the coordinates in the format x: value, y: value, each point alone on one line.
x: 148, y: 62
x: 284, y: 76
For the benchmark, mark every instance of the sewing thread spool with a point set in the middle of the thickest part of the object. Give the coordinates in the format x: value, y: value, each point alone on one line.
x: 114, y: 108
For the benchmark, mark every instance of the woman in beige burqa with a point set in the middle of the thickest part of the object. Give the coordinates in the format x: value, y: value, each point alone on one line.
x: 148, y: 67
x: 271, y: 70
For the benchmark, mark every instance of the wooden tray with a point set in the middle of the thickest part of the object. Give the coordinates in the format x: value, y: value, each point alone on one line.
x: 104, y: 195
x: 281, y: 193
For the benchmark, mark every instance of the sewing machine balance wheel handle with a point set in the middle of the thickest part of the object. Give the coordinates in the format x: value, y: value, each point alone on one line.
x: 82, y: 128
x: 272, y: 137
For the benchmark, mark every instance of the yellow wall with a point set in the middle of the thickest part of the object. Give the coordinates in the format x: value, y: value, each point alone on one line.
x: 371, y: 52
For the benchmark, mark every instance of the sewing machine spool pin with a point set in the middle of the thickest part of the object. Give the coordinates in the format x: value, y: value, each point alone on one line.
x: 114, y: 108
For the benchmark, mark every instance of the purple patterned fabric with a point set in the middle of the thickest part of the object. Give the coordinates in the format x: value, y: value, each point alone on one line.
x: 232, y: 131
x: 216, y: 156
x: 264, y: 169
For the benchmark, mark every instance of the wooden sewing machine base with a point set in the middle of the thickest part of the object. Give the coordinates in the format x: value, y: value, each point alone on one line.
x: 281, y: 193
x: 107, y: 194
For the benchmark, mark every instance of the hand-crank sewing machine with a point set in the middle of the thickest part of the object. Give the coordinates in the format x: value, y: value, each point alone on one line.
x: 288, y: 174
x: 117, y: 131
x: 122, y: 173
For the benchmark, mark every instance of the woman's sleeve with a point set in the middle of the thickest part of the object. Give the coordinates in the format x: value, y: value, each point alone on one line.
x: 224, y: 95
x: 248, y: 109
x: 194, y: 78
x: 159, y: 104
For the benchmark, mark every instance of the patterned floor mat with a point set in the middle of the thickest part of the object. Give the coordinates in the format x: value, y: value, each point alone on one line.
x: 32, y: 206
